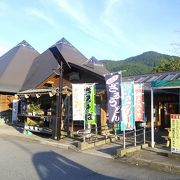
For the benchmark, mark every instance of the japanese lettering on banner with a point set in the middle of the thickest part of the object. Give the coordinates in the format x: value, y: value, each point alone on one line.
x: 78, y: 101
x: 113, y: 97
x: 175, y: 133
x: 138, y: 103
x: 90, y: 106
x: 127, y: 101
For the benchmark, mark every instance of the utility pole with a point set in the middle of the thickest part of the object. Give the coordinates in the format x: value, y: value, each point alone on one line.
x: 59, y: 105
x: 62, y: 62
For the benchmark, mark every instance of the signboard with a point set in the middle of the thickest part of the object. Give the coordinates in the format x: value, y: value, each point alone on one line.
x: 113, y: 97
x: 127, y: 100
x: 14, y: 110
x: 175, y: 133
x: 90, y: 106
x: 138, y: 103
x: 78, y: 101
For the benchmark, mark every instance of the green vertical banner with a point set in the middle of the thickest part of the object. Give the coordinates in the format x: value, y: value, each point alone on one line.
x: 90, y: 104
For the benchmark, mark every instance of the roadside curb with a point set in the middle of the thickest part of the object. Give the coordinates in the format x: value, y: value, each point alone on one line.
x: 170, y: 168
x: 57, y: 144
x: 44, y: 142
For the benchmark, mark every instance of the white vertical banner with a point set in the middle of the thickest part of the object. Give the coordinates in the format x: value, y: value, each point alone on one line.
x: 78, y: 101
x: 14, y: 110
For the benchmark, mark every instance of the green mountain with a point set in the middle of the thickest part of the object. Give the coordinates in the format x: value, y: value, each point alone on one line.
x: 141, y: 64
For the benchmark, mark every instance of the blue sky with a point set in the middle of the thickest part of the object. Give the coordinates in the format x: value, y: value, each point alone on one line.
x: 106, y: 29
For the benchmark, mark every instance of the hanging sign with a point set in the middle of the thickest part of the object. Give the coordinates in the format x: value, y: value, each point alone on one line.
x: 127, y: 99
x: 90, y: 106
x: 113, y: 97
x: 78, y: 101
x: 138, y: 103
x: 175, y: 133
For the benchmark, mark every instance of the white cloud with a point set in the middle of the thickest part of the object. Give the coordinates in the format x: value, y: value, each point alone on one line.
x: 41, y: 15
x: 78, y: 14
x: 108, y: 17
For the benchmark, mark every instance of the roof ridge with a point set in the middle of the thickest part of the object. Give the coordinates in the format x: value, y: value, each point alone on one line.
x: 63, y: 41
x: 94, y: 61
x: 24, y: 43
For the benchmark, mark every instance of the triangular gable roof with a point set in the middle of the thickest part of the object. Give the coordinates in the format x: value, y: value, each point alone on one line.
x: 76, y: 58
x: 94, y: 61
x: 95, y: 64
x: 14, y: 66
x: 45, y: 63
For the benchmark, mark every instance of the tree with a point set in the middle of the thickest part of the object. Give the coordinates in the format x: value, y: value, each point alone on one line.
x: 173, y: 65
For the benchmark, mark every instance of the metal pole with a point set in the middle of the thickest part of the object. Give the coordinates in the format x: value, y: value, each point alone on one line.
x: 96, y: 130
x: 144, y: 130
x: 56, y: 119
x: 135, y: 136
x: 152, y: 119
x: 115, y: 129
x: 106, y: 132
x: 124, y: 140
x: 84, y: 137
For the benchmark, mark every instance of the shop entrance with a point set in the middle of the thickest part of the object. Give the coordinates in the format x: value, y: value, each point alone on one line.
x: 166, y: 103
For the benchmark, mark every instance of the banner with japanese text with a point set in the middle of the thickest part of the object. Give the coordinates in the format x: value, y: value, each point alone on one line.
x: 175, y: 133
x: 127, y: 100
x: 113, y: 97
x: 90, y: 105
x: 138, y: 103
x: 78, y: 101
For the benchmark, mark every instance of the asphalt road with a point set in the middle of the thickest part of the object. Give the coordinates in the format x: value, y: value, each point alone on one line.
x: 25, y: 159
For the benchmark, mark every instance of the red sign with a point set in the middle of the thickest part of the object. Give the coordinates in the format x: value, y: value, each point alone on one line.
x: 138, y: 103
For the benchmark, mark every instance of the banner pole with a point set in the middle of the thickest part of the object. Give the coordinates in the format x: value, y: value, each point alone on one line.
x: 152, y: 119
x: 144, y: 130
x: 124, y: 140
x: 84, y: 138
x: 115, y: 133
x: 135, y: 136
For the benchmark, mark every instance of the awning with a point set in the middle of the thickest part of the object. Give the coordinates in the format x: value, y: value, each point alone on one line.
x: 54, y: 91
x: 40, y: 91
x: 165, y: 84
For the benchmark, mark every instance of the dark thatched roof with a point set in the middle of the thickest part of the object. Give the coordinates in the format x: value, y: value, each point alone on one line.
x: 45, y: 63
x: 15, y: 65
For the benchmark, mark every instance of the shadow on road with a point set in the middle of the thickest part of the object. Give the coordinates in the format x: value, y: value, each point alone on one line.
x: 50, y: 165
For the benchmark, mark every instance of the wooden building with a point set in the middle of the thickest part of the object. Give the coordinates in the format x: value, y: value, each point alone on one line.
x: 44, y: 74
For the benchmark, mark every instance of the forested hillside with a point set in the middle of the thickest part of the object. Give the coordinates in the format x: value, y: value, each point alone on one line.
x: 147, y: 62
